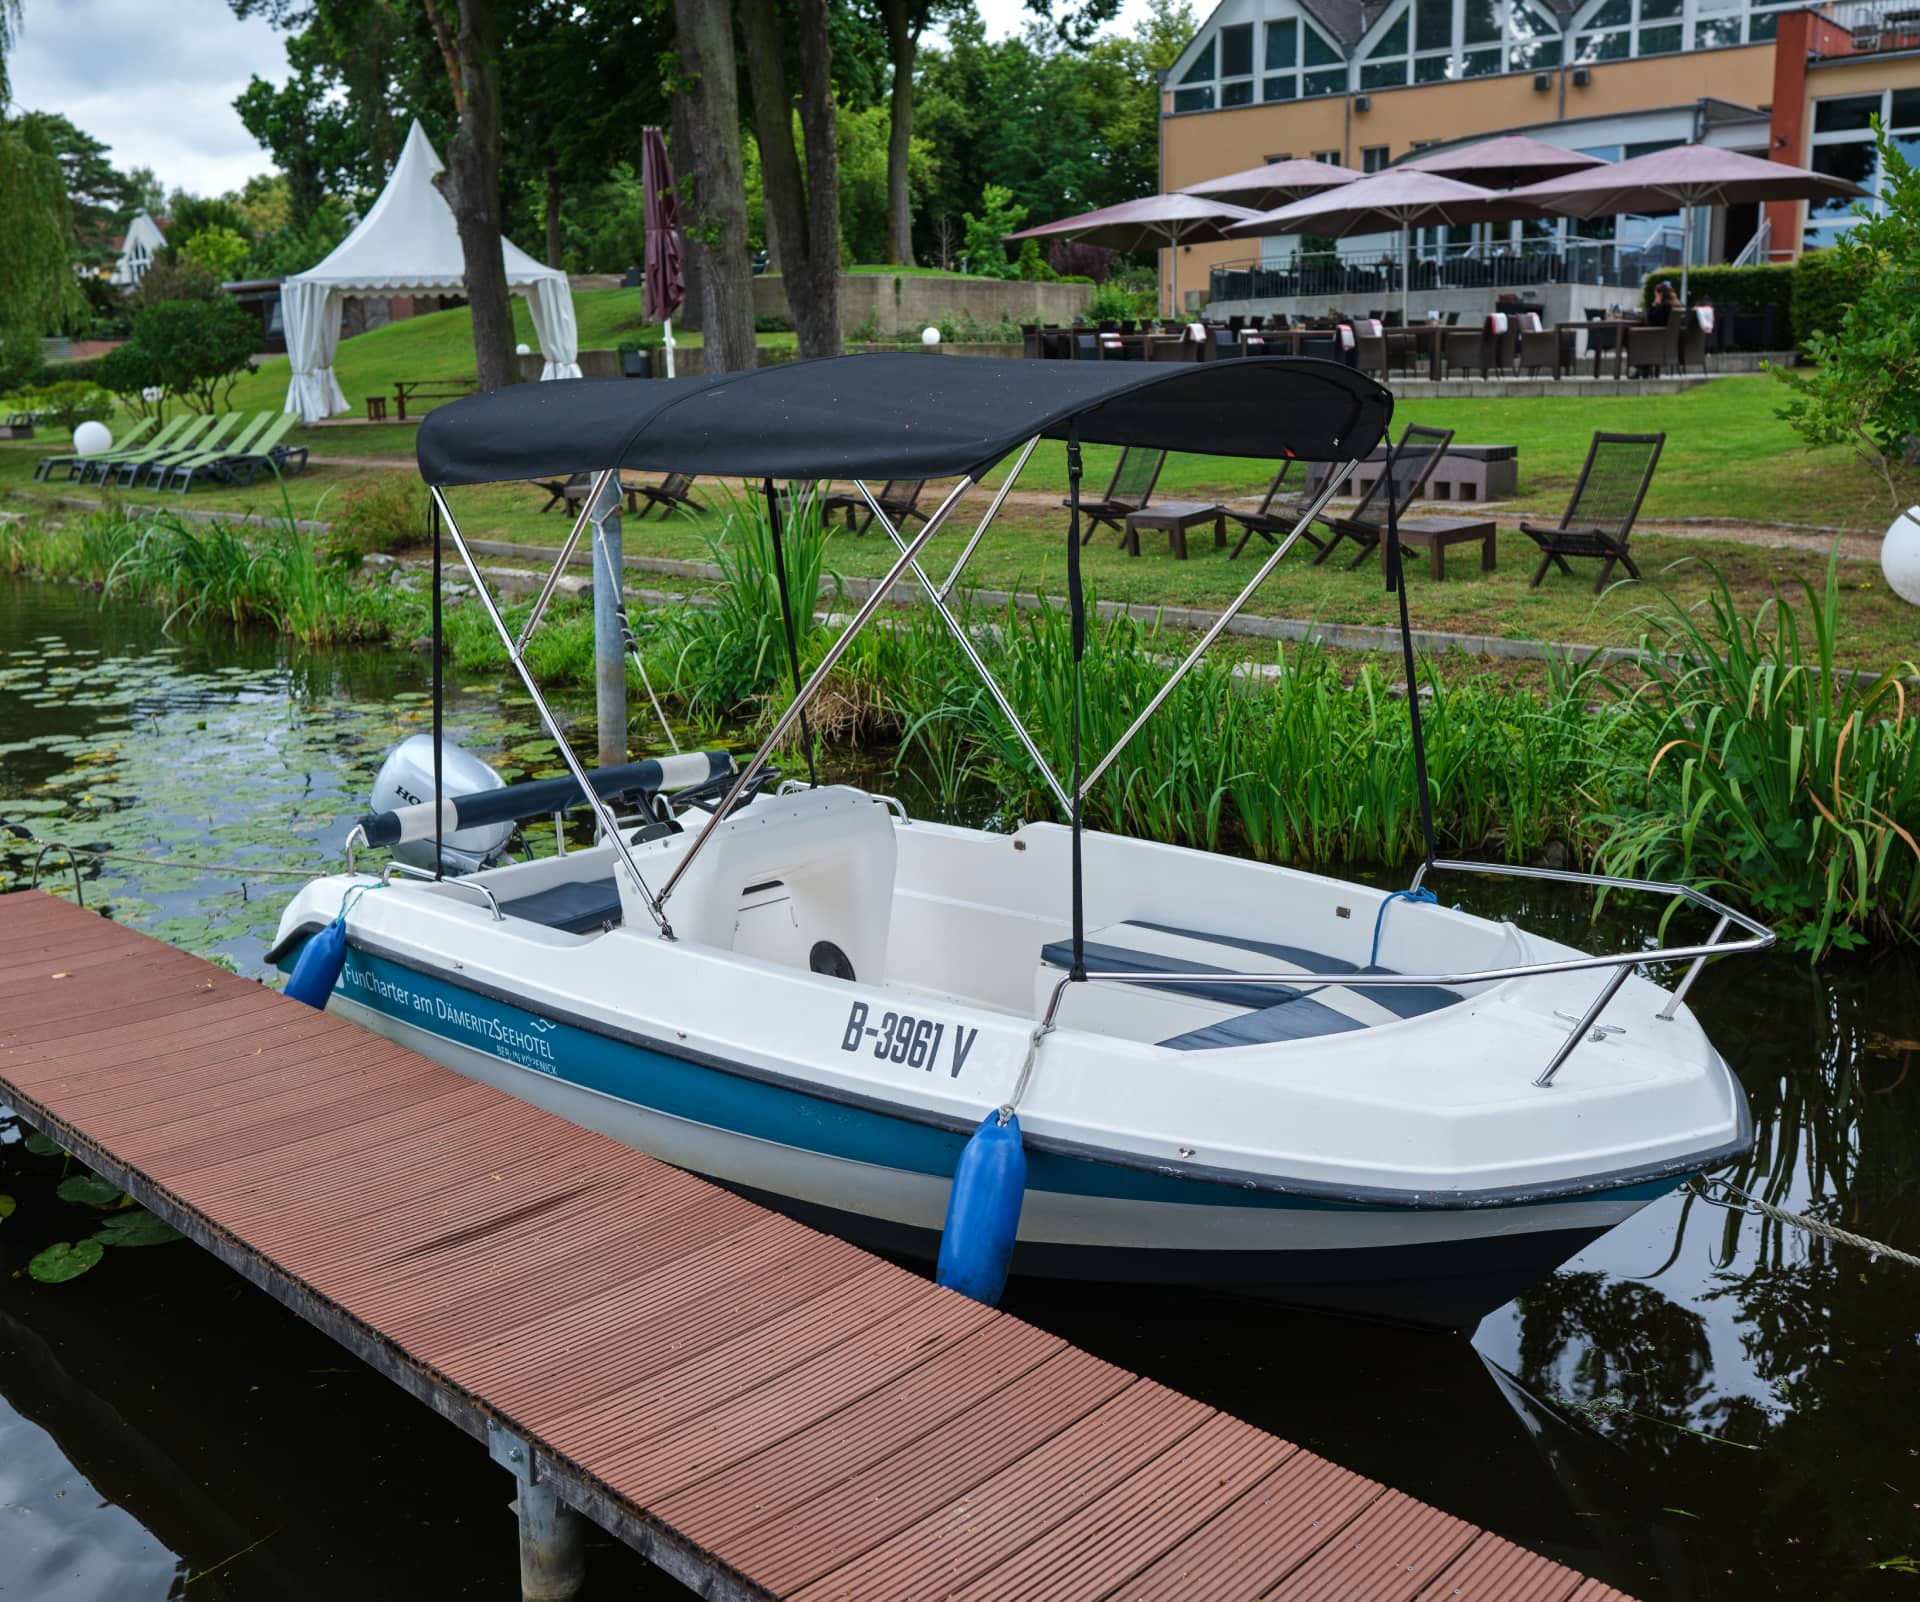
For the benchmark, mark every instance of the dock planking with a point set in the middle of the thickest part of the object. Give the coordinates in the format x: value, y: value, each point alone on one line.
x: 760, y: 1409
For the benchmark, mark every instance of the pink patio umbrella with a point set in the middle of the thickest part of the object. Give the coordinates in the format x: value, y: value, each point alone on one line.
x: 1153, y: 223
x: 1278, y: 183
x: 1684, y: 176
x: 1502, y: 163
x: 665, y: 285
x: 1396, y: 198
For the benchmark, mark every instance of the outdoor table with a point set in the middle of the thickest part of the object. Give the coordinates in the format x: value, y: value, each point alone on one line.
x: 429, y: 389
x: 376, y: 408
x: 1435, y: 534
x: 1175, y: 518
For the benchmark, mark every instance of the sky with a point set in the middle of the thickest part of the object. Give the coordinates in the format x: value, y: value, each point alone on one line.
x: 155, y: 80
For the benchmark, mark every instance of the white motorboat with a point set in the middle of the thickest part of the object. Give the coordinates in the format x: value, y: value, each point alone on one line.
x: 1222, y: 1073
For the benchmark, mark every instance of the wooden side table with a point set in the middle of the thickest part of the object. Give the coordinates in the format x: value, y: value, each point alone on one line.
x: 1174, y: 518
x: 1435, y: 534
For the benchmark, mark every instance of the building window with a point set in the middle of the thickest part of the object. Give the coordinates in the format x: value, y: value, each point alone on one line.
x: 1330, y: 158
x: 1373, y: 157
x: 1842, y: 145
x: 1454, y: 39
x: 1385, y: 63
x: 1621, y: 28
x: 1228, y: 71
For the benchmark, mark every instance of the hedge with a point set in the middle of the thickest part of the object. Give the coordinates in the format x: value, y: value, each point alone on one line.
x: 1731, y: 289
x: 1824, y: 286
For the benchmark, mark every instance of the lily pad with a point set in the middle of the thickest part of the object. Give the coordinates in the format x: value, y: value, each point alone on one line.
x: 88, y: 1190
x: 65, y: 1260
x: 41, y: 1146
x: 136, y: 1228
x: 7, y: 1205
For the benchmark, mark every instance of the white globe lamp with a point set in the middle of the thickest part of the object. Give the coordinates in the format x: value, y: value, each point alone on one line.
x: 523, y: 349
x: 929, y: 336
x: 1900, y: 556
x: 91, y: 439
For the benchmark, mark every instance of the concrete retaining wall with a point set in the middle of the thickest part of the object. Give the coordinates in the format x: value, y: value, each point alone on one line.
x: 892, y: 302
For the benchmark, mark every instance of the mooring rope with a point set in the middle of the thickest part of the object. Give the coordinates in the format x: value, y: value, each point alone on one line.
x: 1733, y: 1196
x: 43, y: 848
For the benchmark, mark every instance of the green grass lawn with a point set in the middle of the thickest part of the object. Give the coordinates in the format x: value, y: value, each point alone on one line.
x: 1727, y: 456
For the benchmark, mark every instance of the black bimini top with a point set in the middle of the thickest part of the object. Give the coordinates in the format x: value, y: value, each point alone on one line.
x: 902, y: 416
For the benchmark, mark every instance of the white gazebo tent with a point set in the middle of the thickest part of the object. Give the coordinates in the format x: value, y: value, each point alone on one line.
x: 407, y: 245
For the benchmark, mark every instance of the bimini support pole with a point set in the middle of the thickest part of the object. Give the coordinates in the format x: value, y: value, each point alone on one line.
x: 1219, y: 624
x: 438, y: 646
x: 811, y: 688
x: 603, y: 813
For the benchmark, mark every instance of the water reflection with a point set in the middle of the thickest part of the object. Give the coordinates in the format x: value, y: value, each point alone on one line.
x: 1699, y: 1404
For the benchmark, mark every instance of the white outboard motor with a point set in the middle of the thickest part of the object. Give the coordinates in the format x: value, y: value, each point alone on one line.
x: 405, y: 779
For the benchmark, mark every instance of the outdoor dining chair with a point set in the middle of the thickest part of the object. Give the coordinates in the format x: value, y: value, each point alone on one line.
x: 1405, y: 472
x: 1654, y: 348
x: 1275, y: 515
x: 899, y: 498
x: 1606, y: 500
x: 1134, y: 476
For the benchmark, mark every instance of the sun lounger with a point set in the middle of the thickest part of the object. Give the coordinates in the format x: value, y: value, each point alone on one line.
x: 162, y: 473
x: 269, y: 454
x: 134, y: 437
x: 197, y: 429
x: 240, y: 461
x: 225, y: 427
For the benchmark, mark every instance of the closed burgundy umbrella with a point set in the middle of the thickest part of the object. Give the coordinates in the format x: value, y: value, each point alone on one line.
x: 1279, y: 183
x: 1396, y: 198
x: 1150, y: 224
x: 1681, y: 177
x: 1503, y: 163
x: 665, y: 284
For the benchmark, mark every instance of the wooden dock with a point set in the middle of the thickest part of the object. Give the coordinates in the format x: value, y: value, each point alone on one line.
x: 760, y: 1409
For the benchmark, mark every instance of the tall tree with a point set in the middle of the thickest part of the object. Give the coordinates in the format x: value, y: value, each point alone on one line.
x: 36, y: 243
x: 707, y: 147
x: 803, y: 219
x: 903, y: 21
x: 470, y: 44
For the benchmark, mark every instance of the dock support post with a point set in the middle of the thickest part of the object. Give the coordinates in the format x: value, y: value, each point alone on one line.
x: 609, y: 640
x: 553, y: 1537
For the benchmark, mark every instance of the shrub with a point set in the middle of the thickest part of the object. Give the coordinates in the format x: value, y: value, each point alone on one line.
x: 384, y: 513
x: 200, y: 349
x: 130, y: 373
x: 1111, y: 303
x: 1825, y: 284
x: 1748, y: 289
x: 172, y: 279
x: 64, y: 405
x: 20, y: 362
x: 986, y: 234
x: 1075, y: 259
x: 1031, y: 267
x: 1864, y: 387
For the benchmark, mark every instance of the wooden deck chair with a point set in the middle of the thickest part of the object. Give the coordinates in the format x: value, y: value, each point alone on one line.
x: 1599, y: 519
x: 1276, y: 514
x: 673, y: 493
x: 1134, y: 476
x: 1406, y: 471
x: 557, y: 488
x: 899, y: 498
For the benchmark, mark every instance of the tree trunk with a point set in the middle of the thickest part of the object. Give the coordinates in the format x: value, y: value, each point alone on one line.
x: 471, y: 181
x: 716, y: 221
x: 556, y: 254
x: 903, y: 41
x: 803, y: 220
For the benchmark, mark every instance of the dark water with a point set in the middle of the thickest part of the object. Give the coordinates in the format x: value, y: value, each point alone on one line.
x: 1698, y: 1406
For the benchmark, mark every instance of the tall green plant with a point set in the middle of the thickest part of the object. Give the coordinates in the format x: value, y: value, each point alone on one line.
x: 1775, y: 774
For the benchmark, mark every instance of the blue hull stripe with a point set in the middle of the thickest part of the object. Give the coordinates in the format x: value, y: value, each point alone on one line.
x: 764, y: 1111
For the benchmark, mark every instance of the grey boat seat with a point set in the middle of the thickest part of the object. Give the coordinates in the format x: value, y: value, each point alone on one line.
x: 1248, y: 1014
x: 583, y: 907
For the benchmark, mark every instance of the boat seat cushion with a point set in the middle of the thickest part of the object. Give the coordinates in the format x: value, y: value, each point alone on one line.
x: 1267, y: 1012
x: 578, y: 908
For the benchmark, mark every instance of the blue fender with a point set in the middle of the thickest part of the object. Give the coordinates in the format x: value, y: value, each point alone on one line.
x: 983, y: 1211
x: 318, y: 968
